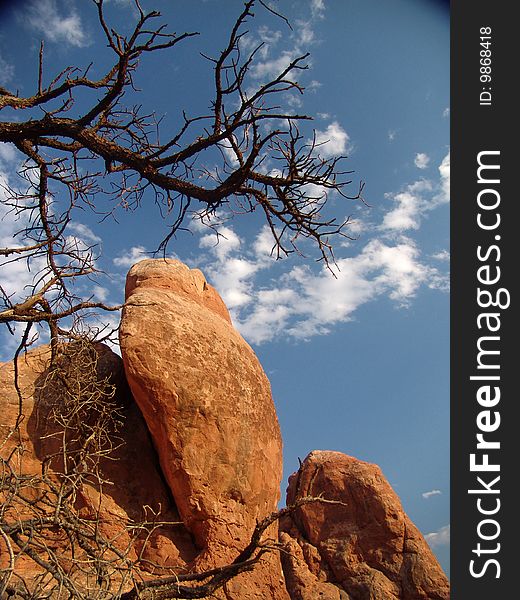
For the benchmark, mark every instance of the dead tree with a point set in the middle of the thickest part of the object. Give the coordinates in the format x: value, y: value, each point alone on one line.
x: 80, y: 141
x: 110, y: 149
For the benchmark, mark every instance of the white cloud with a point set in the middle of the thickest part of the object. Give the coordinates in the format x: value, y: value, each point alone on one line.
x: 8, y: 154
x: 302, y: 303
x: 269, y: 36
x: 45, y: 17
x: 271, y: 68
x: 417, y: 199
x: 405, y: 216
x: 100, y: 293
x: 84, y: 232
x: 313, y: 86
x: 443, y: 255
x: 318, y: 8
x: 266, y: 302
x: 357, y: 227
x: 431, y: 493
x: 17, y: 280
x: 294, y: 99
x: 229, y: 153
x: 421, y: 160
x: 6, y: 71
x: 222, y: 244
x: 439, y: 538
x: 444, y: 172
x: 105, y: 324
x: 334, y: 141
x: 15, y: 276
x: 231, y: 275
x: 269, y: 317
x: 233, y: 278
x: 271, y: 60
x: 264, y: 244
x: 304, y: 34
x: 131, y: 256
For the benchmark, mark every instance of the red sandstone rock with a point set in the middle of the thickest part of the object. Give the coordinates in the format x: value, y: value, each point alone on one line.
x: 366, y: 546
x: 136, y: 487
x: 208, y: 406
x: 174, y: 276
x: 302, y: 582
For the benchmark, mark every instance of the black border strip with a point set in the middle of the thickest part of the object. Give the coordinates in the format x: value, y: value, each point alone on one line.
x: 482, y: 129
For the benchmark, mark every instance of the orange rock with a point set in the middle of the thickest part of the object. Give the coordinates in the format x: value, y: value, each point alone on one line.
x: 136, y: 491
x: 174, y: 276
x: 366, y: 546
x: 207, y: 459
x: 208, y: 406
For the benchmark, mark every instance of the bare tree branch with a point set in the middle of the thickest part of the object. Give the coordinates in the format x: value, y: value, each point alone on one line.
x: 79, y: 139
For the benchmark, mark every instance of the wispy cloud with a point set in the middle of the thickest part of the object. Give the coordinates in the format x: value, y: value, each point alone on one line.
x: 15, y: 276
x: 318, y: 8
x: 431, y: 493
x: 6, y: 71
x: 302, y: 303
x: 47, y: 18
x: 266, y: 301
x: 17, y: 280
x: 130, y: 256
x: 333, y: 141
x: 278, y: 49
x: 439, y: 538
x: 417, y: 199
x: 272, y: 67
x: 421, y: 160
x: 409, y: 207
x: 8, y: 154
x: 277, y: 52
x: 443, y: 255
x: 444, y: 172
x: 84, y: 232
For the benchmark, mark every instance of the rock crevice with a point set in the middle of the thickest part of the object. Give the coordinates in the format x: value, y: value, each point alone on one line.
x: 208, y: 405
x: 201, y: 446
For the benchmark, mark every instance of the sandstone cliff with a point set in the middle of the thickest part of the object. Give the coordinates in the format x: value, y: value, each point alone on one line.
x: 363, y: 547
x: 207, y: 403
x: 198, y: 454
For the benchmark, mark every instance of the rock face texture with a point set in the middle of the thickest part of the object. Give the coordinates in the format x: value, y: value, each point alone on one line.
x: 137, y: 487
x: 208, y: 406
x: 199, y: 450
x: 363, y: 548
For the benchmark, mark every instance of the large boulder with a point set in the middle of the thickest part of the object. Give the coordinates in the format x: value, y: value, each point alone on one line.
x: 363, y: 547
x: 207, y: 403
x: 133, y: 491
x: 188, y: 468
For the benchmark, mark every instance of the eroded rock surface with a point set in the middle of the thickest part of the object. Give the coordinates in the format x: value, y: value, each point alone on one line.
x: 207, y: 403
x: 207, y: 456
x: 365, y: 546
x: 136, y: 491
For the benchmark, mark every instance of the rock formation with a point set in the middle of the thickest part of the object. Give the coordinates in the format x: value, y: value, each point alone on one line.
x: 208, y: 405
x: 365, y: 547
x: 200, y: 447
x: 137, y: 489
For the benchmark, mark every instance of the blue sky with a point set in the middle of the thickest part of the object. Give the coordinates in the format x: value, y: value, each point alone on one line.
x: 358, y: 362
